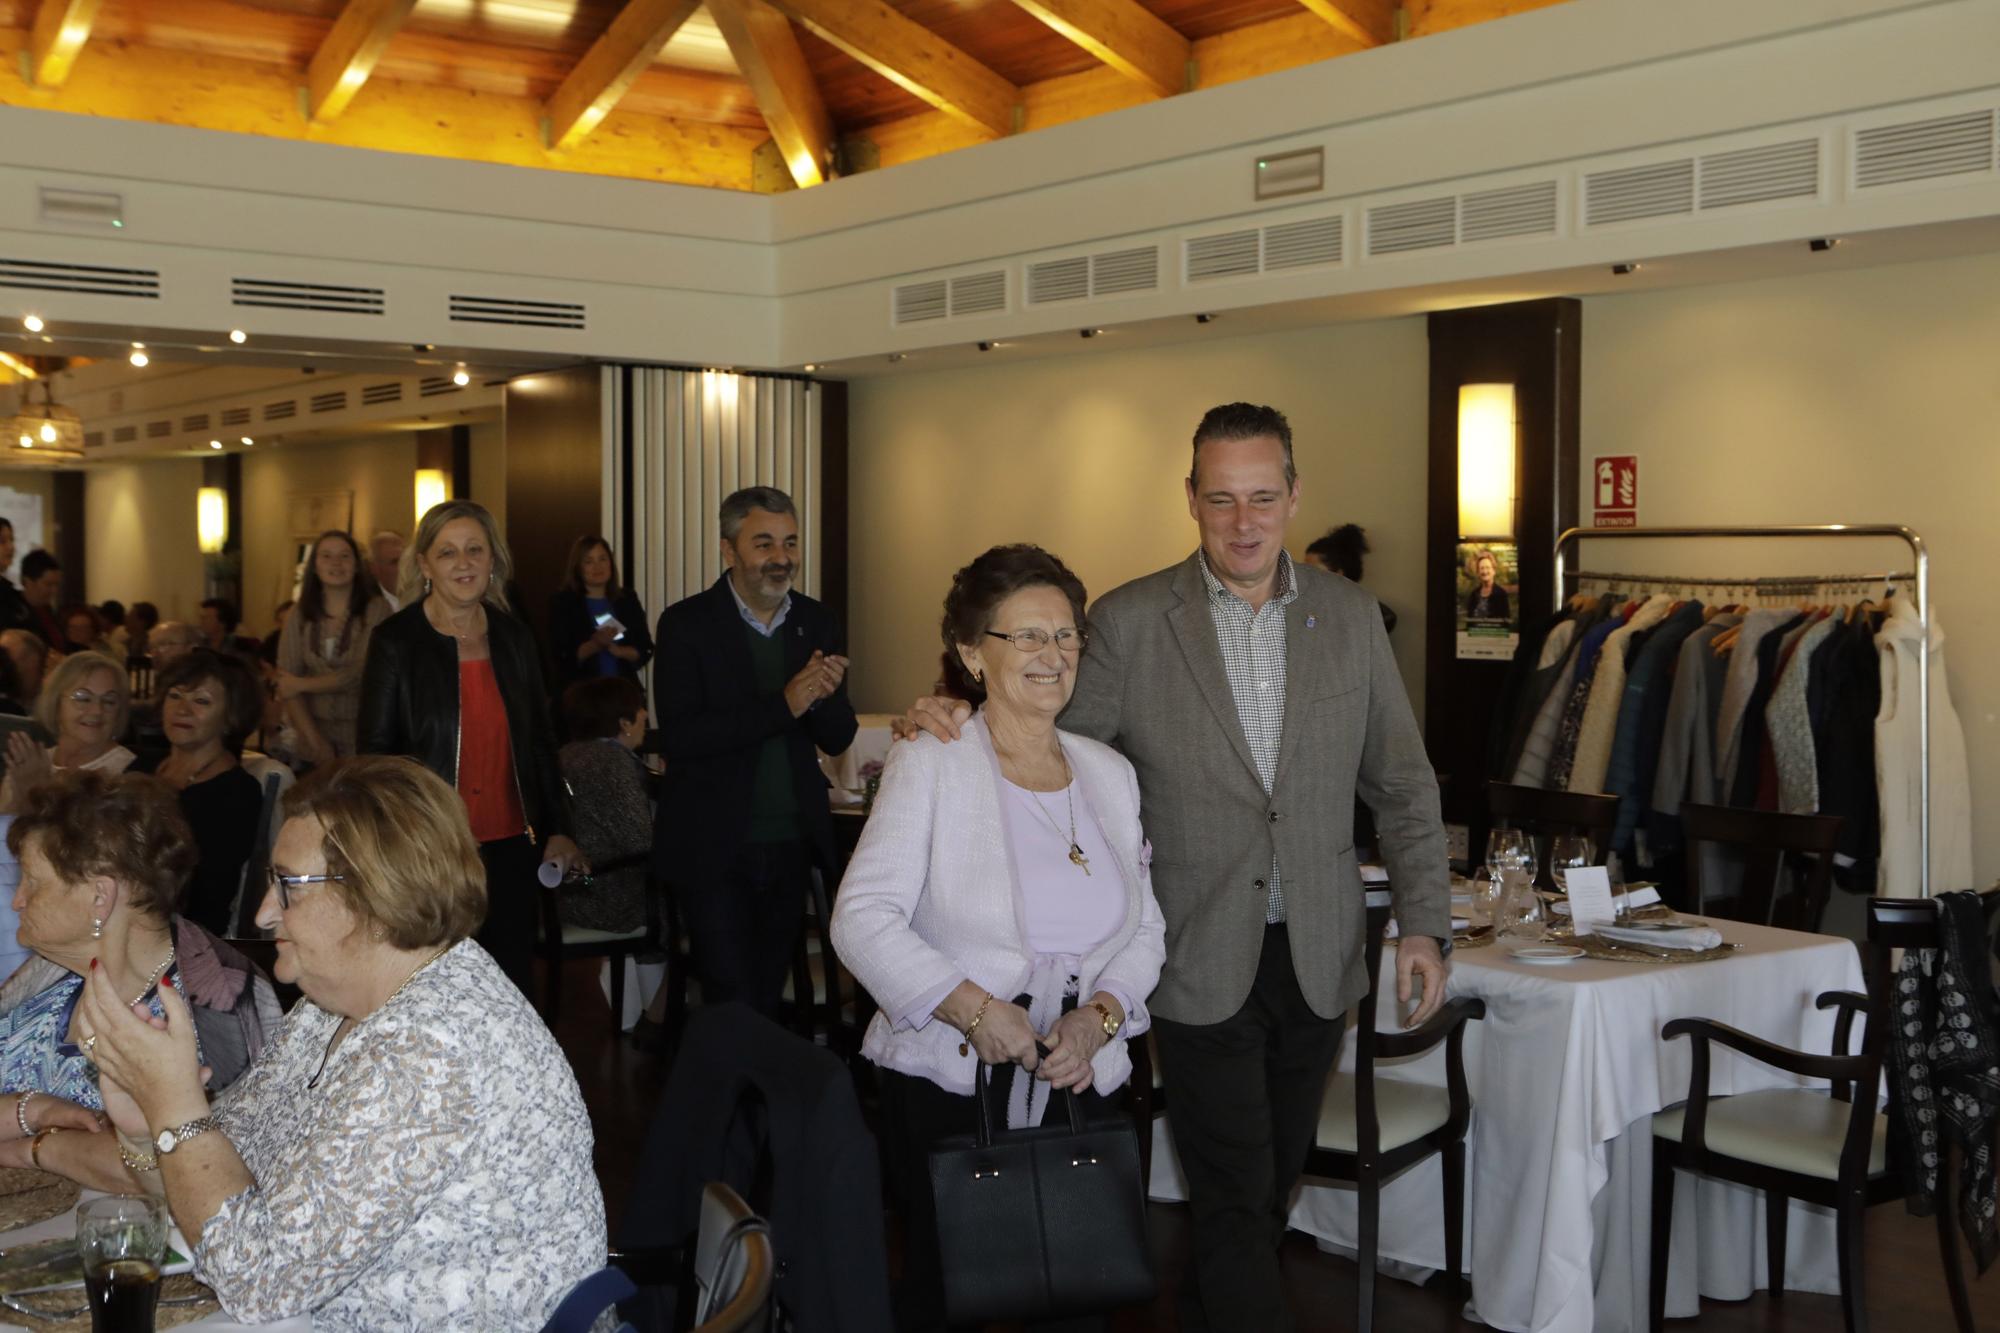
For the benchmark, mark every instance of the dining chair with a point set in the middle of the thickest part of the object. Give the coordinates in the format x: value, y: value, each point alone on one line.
x: 1824, y: 1146
x: 1786, y: 863
x: 561, y: 943
x: 1548, y: 815
x: 1371, y: 1127
x: 733, y: 1265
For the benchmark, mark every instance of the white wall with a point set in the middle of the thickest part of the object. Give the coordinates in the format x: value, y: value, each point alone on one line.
x: 380, y: 472
x: 1086, y: 456
x: 139, y: 535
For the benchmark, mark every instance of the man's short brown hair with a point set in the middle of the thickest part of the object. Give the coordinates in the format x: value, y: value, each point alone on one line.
x: 128, y: 827
x: 397, y: 835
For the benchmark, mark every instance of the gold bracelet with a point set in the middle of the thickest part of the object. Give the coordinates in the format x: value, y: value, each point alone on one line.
x: 133, y: 1161
x: 35, y: 1145
x: 965, y: 1047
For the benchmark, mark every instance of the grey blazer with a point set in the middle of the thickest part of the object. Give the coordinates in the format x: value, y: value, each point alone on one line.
x: 1153, y: 685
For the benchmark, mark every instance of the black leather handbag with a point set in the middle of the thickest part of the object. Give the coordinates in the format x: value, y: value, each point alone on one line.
x: 1040, y: 1223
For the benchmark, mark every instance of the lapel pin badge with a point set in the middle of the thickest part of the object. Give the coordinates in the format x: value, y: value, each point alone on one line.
x: 1311, y: 621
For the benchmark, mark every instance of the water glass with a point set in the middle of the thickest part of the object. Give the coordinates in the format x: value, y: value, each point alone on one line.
x: 122, y: 1240
x: 1485, y: 887
x: 1509, y: 851
x: 1571, y: 852
x: 1519, y: 914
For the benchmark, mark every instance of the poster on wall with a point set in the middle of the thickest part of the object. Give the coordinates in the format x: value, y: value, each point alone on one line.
x: 1488, y: 588
x: 1614, y: 491
x: 25, y: 513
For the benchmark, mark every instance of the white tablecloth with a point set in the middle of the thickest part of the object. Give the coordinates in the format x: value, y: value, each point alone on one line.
x: 1566, y: 1070
x: 65, y: 1225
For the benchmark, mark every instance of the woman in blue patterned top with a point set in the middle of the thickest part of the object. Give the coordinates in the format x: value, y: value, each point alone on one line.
x: 104, y: 861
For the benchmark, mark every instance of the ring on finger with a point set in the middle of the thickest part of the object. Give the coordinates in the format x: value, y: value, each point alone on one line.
x: 90, y: 1046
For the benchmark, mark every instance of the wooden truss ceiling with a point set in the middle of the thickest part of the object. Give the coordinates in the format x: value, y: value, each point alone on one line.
x: 742, y: 94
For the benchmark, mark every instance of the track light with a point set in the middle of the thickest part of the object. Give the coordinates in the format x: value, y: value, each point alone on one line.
x: 1204, y: 319
x: 139, y: 357
x: 1621, y: 270
x: 898, y: 357
x: 986, y: 346
x: 238, y: 336
x: 1088, y: 333
x: 32, y: 323
x: 1820, y: 245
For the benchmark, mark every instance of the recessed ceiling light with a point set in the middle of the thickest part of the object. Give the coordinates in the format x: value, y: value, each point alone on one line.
x: 811, y: 368
x: 140, y: 359
x: 215, y: 444
x: 238, y: 336
x: 248, y: 440
x: 460, y: 378
x: 32, y: 323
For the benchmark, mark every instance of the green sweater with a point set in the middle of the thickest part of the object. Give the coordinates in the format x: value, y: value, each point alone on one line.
x: 774, y: 802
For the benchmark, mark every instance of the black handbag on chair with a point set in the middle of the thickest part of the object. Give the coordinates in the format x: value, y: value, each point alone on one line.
x: 1040, y: 1223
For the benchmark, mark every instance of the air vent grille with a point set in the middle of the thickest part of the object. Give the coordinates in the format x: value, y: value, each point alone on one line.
x: 159, y: 430
x: 189, y: 425
x: 1757, y: 175
x: 1059, y: 280
x: 336, y: 401
x: 235, y: 416
x: 124, y: 434
x: 1304, y: 244
x: 979, y: 293
x: 1519, y: 210
x: 1229, y: 254
x: 1656, y: 190
x: 918, y: 302
x: 282, y: 411
x: 279, y: 295
x: 374, y: 395
x: 433, y: 385
x: 1923, y: 150
x: 512, y: 310
x: 93, y: 439
x: 1120, y: 271
x: 94, y: 279
x: 1422, y: 224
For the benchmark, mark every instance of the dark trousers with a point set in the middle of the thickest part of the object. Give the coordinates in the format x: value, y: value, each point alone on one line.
x: 743, y: 931
x: 513, y: 895
x: 916, y: 1113
x: 1243, y: 1097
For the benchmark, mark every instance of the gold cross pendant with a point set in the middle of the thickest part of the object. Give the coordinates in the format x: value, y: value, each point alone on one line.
x: 1077, y: 858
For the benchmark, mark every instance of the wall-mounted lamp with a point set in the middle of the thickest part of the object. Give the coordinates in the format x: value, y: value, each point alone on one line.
x: 433, y: 489
x: 1486, y: 453
x: 211, y: 519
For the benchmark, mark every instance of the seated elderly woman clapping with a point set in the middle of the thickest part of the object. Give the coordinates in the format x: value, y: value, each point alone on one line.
x: 412, y: 1151
x: 999, y: 895
x: 103, y: 862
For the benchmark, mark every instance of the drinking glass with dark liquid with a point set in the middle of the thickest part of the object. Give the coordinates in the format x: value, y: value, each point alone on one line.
x: 122, y: 1241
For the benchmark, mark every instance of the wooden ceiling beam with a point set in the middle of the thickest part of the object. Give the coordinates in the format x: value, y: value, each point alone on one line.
x: 767, y: 50
x: 348, y: 55
x: 1125, y: 35
x: 913, y: 58
x: 610, y: 66
x: 1370, y: 21
x: 61, y: 28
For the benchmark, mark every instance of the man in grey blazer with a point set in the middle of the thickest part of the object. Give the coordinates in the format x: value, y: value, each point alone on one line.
x: 1257, y: 698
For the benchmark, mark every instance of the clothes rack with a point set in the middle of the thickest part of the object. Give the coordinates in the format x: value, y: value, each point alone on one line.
x: 1919, y: 576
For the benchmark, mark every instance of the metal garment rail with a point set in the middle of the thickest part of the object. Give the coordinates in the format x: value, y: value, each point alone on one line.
x: 1918, y: 551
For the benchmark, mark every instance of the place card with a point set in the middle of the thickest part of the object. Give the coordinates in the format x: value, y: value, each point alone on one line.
x: 1590, y: 903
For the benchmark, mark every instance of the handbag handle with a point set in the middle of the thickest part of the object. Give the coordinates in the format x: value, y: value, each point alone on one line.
x: 982, y: 1082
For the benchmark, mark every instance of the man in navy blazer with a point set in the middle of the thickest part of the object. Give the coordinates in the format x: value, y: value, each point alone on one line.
x: 749, y: 683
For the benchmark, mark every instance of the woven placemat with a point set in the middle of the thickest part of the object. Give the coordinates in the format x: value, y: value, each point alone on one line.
x: 1476, y: 938
x: 178, y: 1286
x: 28, y: 1196
x: 1619, y: 953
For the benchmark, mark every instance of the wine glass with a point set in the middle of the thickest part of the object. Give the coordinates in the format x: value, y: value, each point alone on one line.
x: 1508, y: 852
x: 1571, y: 852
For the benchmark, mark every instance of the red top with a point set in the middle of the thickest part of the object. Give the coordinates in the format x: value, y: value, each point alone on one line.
x: 486, y: 756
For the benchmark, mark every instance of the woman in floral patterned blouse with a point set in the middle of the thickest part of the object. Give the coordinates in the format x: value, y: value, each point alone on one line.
x: 412, y: 1152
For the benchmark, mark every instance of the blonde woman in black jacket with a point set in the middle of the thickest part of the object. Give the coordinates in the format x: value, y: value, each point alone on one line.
x: 453, y: 682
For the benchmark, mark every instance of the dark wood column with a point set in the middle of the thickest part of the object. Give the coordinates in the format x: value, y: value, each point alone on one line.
x: 1537, y: 347
x: 66, y: 535
x: 554, y: 479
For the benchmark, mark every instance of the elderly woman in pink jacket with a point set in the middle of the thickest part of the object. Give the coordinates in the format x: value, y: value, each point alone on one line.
x: 999, y: 896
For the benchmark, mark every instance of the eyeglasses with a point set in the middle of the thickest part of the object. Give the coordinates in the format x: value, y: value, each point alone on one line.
x: 1034, y: 640
x: 284, y: 884
x: 84, y: 698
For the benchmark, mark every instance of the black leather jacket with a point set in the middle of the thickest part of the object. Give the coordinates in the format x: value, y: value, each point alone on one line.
x: 409, y: 706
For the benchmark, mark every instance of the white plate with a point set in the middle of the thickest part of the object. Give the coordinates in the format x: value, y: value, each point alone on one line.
x: 1547, y: 954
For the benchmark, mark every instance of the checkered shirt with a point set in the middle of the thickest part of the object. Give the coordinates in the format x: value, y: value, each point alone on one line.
x: 1253, y: 655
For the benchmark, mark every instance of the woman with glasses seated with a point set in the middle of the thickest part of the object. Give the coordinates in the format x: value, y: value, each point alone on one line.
x: 103, y: 862
x: 412, y: 1151
x: 999, y: 896
x: 83, y: 704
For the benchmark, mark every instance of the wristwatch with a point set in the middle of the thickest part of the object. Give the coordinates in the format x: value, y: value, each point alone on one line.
x: 1111, y: 1023
x: 169, y: 1139
x: 1444, y: 943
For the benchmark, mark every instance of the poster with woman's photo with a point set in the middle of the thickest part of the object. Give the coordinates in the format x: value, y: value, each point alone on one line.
x: 1489, y: 583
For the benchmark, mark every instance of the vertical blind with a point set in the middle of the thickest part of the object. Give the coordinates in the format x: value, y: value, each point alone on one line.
x: 676, y: 442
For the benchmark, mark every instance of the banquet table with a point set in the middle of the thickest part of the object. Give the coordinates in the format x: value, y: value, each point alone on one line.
x: 1566, y: 1071
x: 64, y: 1224
x: 871, y: 743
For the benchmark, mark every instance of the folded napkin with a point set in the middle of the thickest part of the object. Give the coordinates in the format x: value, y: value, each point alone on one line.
x: 1664, y: 936
x: 1641, y: 895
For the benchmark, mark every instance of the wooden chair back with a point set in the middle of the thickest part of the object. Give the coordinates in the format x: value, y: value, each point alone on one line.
x: 733, y: 1264
x: 1787, y: 864
x: 1548, y: 815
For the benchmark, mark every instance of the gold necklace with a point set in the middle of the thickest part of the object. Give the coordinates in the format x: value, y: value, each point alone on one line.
x: 1076, y: 856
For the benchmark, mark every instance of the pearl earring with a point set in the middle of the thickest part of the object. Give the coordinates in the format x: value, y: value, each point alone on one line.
x: 97, y: 927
